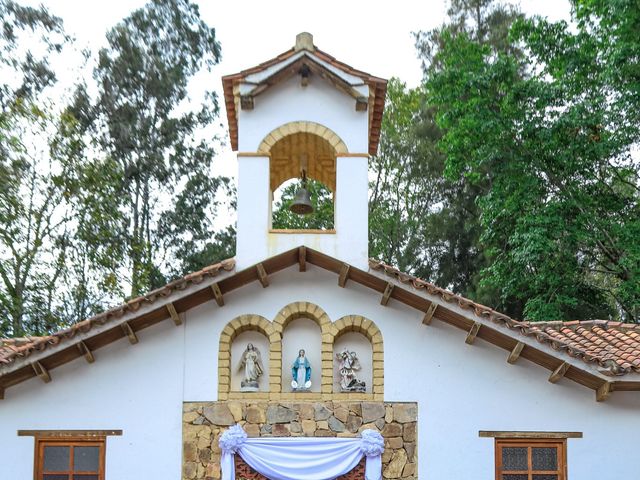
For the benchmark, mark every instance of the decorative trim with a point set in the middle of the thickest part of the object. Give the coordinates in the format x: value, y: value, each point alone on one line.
x: 69, y: 433
x: 234, y: 328
x: 314, y: 231
x: 303, y: 127
x: 330, y: 331
x: 538, y: 435
x: 253, y: 154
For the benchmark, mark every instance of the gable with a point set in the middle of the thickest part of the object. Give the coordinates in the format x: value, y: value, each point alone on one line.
x: 563, y: 354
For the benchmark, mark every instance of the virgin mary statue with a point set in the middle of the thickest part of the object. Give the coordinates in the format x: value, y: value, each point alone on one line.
x: 251, y: 363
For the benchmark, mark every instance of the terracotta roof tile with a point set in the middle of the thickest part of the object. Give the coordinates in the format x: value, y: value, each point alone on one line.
x: 13, y: 348
x: 613, y: 346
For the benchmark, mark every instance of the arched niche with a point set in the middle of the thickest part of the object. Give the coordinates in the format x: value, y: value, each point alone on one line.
x: 361, y: 331
x: 260, y: 341
x: 305, y: 325
x: 302, y: 333
x: 227, y: 361
x: 361, y: 345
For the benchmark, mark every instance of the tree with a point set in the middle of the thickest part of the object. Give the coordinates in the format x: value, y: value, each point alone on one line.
x: 322, y: 200
x: 38, y: 155
x: 421, y: 221
x: 561, y: 212
x: 162, y: 191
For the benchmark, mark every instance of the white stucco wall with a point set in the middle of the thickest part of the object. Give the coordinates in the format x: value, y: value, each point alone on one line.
x: 460, y: 389
x: 318, y: 102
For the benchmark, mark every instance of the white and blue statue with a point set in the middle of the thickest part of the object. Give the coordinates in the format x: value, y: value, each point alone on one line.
x: 301, y: 373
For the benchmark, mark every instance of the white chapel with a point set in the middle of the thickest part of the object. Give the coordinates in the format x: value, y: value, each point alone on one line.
x: 302, y: 358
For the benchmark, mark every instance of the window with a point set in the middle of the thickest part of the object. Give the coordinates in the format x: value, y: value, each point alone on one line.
x: 531, y: 459
x: 70, y: 458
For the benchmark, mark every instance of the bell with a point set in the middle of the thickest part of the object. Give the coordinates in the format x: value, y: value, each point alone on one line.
x: 302, y: 201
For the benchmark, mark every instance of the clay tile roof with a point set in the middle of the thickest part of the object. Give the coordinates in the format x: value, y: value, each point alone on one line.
x: 377, y: 86
x: 613, y: 346
x: 13, y: 348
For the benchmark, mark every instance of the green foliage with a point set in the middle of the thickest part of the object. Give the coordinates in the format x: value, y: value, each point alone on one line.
x: 560, y: 215
x: 158, y: 196
x: 322, y: 200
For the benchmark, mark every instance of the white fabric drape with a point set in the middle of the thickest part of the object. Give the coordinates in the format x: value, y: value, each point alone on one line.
x: 293, y: 458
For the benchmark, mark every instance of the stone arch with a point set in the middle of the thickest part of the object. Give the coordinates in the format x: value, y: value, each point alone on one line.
x: 302, y: 127
x: 314, y: 312
x: 360, y: 324
x: 234, y: 328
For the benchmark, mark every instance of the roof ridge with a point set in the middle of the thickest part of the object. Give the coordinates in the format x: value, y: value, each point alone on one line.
x: 610, y: 359
x: 11, y: 348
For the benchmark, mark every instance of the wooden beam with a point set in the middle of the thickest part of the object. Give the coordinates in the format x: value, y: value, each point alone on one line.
x: 541, y: 435
x: 559, y: 372
x: 302, y: 258
x: 362, y: 103
x: 217, y: 294
x: 86, y: 353
x: 515, y: 353
x: 471, y: 336
x: 246, y: 102
x: 387, y: 294
x: 428, y: 316
x: 41, y: 372
x: 262, y: 275
x: 68, y: 433
x: 344, y: 275
x: 128, y: 331
x: 603, y: 392
x: 174, y: 314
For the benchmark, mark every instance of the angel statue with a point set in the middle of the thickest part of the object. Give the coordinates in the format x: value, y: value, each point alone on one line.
x: 301, y: 373
x: 348, y: 364
x: 251, y: 363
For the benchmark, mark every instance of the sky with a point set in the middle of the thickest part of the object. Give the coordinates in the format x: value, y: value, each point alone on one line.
x: 373, y: 35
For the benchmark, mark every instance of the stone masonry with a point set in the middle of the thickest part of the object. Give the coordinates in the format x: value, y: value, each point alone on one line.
x: 203, y: 423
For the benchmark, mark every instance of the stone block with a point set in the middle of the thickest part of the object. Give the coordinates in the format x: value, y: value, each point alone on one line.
x: 393, y: 443
x: 353, y: 423
x: 409, y: 434
x: 324, y: 433
x: 336, y: 425
x: 405, y: 412
x: 252, y: 429
x: 308, y: 427
x: 388, y: 416
x: 306, y: 411
x: 189, y: 451
x: 189, y: 470
x: 409, y: 470
x: 280, y: 414
x: 281, y: 430
x: 236, y: 410
x: 410, y: 448
x: 396, y: 465
x: 218, y: 414
x: 255, y: 415
x: 341, y: 414
x: 392, y: 430
x: 372, y: 411
x: 321, y: 412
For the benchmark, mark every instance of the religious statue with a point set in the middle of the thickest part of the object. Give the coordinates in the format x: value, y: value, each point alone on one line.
x: 348, y: 364
x: 301, y: 373
x: 251, y: 363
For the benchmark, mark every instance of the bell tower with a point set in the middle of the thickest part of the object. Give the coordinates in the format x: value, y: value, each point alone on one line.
x: 303, y: 114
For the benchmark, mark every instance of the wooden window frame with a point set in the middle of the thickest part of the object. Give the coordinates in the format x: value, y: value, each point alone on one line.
x: 41, y: 442
x: 559, y: 443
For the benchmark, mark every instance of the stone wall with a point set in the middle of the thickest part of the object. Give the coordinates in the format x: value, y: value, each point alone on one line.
x: 203, y: 423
